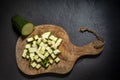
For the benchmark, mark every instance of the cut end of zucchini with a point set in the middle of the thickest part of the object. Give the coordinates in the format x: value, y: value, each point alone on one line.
x: 27, y: 29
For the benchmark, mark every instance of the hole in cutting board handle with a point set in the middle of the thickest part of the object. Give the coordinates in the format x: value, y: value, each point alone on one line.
x: 94, y: 47
x: 98, y: 37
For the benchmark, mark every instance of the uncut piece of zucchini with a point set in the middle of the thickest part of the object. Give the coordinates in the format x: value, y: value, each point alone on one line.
x: 23, y: 26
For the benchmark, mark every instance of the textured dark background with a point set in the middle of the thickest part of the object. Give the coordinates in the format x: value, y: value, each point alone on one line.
x: 100, y: 15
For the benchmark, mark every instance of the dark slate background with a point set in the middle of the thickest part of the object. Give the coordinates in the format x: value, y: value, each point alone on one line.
x: 100, y: 15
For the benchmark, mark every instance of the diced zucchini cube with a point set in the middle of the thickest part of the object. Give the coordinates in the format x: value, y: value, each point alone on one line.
x: 56, y: 51
x: 54, y: 46
x: 32, y: 56
x: 45, y: 45
x: 51, y: 61
x: 36, y: 57
x: 47, y: 64
x: 38, y: 60
x: 49, y: 42
x: 30, y: 39
x: 36, y: 37
x: 41, y: 44
x: 27, y: 45
x: 53, y: 38
x: 44, y: 40
x: 39, y: 40
x: 25, y: 51
x: 38, y: 66
x: 39, y: 48
x: 57, y: 59
x: 38, y: 52
x: 24, y: 55
x: 53, y: 55
x: 46, y: 35
x: 46, y: 54
x: 49, y: 50
x: 31, y: 50
x: 53, y: 42
x: 33, y: 64
x: 27, y: 57
x: 41, y: 56
x: 34, y: 44
x: 58, y: 42
x: 42, y: 51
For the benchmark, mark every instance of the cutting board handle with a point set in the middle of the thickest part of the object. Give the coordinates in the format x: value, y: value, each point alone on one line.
x: 93, y: 48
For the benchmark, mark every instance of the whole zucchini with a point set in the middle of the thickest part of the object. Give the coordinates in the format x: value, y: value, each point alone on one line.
x: 23, y: 26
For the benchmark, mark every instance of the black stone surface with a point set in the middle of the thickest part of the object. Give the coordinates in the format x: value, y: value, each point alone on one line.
x: 100, y: 15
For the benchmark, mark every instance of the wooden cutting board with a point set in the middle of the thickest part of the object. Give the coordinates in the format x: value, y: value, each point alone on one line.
x: 69, y: 52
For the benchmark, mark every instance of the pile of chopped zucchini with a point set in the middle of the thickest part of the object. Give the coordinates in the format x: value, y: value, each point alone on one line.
x: 42, y: 51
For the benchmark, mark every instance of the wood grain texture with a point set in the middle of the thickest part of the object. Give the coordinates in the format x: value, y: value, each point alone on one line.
x: 69, y: 52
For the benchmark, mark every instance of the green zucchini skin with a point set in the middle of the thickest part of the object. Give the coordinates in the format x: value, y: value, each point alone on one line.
x: 19, y: 22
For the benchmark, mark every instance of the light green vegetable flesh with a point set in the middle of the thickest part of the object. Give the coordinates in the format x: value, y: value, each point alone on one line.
x: 42, y: 51
x: 23, y: 26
